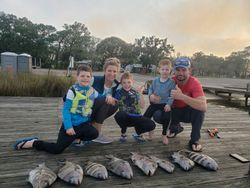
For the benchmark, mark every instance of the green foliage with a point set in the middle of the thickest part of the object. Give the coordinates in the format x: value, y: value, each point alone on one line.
x: 33, y: 85
x: 20, y: 35
x: 54, y: 48
x: 237, y: 65
x: 114, y: 47
x: 151, y: 49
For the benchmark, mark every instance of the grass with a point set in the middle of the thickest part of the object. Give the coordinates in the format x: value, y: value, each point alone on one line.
x: 33, y: 85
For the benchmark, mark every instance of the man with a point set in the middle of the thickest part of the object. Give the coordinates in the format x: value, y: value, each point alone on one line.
x: 189, y: 104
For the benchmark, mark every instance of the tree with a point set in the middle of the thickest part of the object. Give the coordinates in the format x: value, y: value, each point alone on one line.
x: 150, y: 50
x: 20, y: 35
x: 74, y: 40
x: 114, y: 47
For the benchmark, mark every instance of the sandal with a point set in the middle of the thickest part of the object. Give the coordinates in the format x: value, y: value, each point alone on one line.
x: 195, y: 146
x: 20, y: 143
x: 138, y: 138
x: 123, y: 138
x: 176, y: 129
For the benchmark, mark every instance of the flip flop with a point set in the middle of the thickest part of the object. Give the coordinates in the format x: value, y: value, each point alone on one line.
x: 176, y: 130
x: 191, y: 144
x: 138, y: 138
x: 23, y: 141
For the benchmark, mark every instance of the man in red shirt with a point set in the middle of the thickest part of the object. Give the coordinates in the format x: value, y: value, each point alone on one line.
x: 189, y: 104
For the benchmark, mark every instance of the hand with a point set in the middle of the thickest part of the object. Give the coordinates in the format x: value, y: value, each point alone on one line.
x: 155, y: 99
x: 167, y: 108
x: 177, y: 93
x: 140, y: 89
x: 110, y: 100
x: 70, y: 132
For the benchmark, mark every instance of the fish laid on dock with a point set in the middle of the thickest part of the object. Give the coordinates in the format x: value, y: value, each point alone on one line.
x: 203, y: 160
x: 184, y: 162
x: 71, y: 173
x: 147, y: 165
x: 42, y: 176
x: 95, y: 170
x: 119, y: 167
x: 164, y: 164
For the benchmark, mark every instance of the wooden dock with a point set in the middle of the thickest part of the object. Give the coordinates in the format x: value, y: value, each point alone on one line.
x: 28, y: 116
x: 229, y: 90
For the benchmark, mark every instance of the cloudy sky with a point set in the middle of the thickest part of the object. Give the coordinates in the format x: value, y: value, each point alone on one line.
x: 211, y: 26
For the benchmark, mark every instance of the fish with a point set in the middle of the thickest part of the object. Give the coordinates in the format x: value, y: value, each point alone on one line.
x: 184, y: 162
x: 203, y: 160
x: 164, y: 164
x: 70, y: 172
x: 119, y: 167
x: 95, y: 170
x: 147, y: 165
x: 41, y: 176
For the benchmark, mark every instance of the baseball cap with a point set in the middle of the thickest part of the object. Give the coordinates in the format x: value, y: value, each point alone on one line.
x: 182, y: 62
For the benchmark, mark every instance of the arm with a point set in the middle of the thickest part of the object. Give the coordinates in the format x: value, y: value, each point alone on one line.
x: 152, y: 97
x: 67, y: 117
x: 141, y: 97
x: 198, y: 103
x: 170, y: 99
x: 141, y: 101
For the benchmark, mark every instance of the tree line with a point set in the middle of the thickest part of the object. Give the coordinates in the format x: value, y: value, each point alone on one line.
x: 54, y: 48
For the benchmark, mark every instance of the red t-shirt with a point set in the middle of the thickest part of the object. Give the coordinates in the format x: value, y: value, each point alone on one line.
x: 192, y: 88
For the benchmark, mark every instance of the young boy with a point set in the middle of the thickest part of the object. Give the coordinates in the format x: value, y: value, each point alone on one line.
x: 159, y: 96
x: 76, y: 117
x: 130, y: 103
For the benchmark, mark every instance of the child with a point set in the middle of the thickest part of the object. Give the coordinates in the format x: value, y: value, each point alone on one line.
x: 76, y: 117
x: 159, y: 96
x: 130, y: 103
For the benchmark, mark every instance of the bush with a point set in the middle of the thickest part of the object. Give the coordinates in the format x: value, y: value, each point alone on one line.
x: 33, y: 85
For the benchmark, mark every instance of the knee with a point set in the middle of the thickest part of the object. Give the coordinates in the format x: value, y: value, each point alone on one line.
x: 197, y: 114
x: 58, y: 150
x: 157, y: 116
x: 119, y: 115
x: 151, y: 125
x: 94, y: 134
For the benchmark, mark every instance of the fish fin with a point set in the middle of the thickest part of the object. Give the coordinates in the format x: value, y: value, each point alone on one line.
x: 109, y: 156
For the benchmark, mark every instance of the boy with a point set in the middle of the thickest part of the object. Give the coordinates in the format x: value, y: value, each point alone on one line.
x: 159, y: 96
x: 130, y: 103
x: 76, y: 117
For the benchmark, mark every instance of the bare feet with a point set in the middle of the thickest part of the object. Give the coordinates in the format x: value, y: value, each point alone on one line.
x: 25, y: 144
x: 164, y: 139
x: 151, y: 135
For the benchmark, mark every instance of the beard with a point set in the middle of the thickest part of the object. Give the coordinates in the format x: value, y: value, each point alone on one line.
x: 180, y: 78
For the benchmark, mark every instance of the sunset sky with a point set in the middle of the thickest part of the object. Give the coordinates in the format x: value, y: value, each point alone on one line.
x: 216, y: 27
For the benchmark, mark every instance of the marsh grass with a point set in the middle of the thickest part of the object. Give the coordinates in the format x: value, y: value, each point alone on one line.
x: 33, y: 85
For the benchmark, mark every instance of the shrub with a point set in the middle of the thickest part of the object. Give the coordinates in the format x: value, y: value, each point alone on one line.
x: 33, y: 85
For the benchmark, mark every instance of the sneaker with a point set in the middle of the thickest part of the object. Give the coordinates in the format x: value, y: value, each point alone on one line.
x: 138, y: 138
x: 80, y: 144
x: 103, y: 139
x: 77, y: 143
x: 123, y: 138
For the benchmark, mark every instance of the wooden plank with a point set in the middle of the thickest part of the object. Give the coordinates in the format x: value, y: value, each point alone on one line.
x: 28, y: 116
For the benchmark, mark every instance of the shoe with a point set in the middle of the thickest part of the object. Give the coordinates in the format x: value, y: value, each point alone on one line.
x: 195, y: 146
x: 21, y: 142
x: 103, y: 139
x: 173, y: 131
x: 123, y: 138
x: 138, y: 138
x: 81, y: 143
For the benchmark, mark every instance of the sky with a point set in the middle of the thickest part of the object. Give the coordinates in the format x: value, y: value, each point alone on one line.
x: 216, y: 27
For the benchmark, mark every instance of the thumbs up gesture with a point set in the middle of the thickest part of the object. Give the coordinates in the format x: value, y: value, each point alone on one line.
x: 177, y: 93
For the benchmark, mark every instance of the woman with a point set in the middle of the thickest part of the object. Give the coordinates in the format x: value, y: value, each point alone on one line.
x: 105, y: 106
